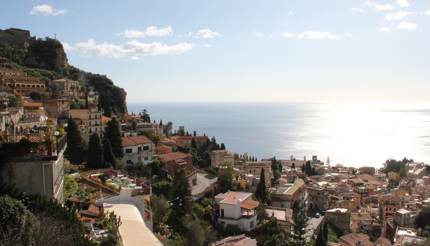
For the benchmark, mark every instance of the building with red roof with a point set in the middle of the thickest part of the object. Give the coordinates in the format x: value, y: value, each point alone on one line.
x: 137, y: 149
x: 177, y: 160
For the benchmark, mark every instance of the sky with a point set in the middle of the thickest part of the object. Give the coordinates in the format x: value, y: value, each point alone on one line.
x: 242, y: 50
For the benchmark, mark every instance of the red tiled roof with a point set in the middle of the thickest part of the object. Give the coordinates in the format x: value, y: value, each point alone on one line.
x: 174, y: 156
x: 249, y: 204
x: 135, y: 140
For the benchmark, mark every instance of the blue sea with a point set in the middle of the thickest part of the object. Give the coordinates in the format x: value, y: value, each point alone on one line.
x: 354, y: 134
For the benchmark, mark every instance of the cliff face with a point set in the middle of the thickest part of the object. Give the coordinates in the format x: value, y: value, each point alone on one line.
x: 46, y: 58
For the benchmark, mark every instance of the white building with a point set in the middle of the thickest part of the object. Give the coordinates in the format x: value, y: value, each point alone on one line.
x: 137, y: 149
x: 237, y: 209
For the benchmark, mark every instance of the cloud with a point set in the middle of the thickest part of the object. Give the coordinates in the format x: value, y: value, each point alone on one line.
x: 67, y: 47
x: 288, y: 35
x: 151, y: 31
x: 357, y: 10
x: 397, y: 15
x: 407, y: 26
x: 259, y: 35
x: 47, y: 10
x: 379, y: 7
x: 131, y: 49
x: 317, y: 35
x: 206, y: 34
x: 427, y: 12
x: 403, y: 3
x: 384, y: 29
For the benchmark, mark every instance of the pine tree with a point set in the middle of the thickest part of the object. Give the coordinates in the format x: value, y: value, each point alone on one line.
x: 260, y: 192
x: 222, y: 146
x: 95, y: 152
x: 113, y: 133
x: 180, y: 196
x: 297, y: 234
x: 75, y: 143
x: 109, y: 157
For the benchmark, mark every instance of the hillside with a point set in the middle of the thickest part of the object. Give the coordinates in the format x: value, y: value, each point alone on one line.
x: 45, y: 58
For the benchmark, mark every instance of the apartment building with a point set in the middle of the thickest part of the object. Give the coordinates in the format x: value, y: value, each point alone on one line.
x: 237, y: 209
x: 137, y: 149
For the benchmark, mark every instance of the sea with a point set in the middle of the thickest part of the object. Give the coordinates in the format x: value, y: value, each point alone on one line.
x: 352, y: 134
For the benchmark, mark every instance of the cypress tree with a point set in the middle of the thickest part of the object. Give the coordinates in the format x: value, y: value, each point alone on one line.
x: 260, y: 192
x: 95, y: 152
x: 75, y: 143
x: 113, y: 133
x: 109, y: 157
x: 300, y: 220
x: 180, y: 196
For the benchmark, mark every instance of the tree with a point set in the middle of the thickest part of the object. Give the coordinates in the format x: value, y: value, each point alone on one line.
x: 222, y: 146
x: 423, y: 218
x: 270, y: 234
x: 261, y: 192
x: 70, y: 186
x: 225, y: 179
x: 75, y: 143
x: 160, y: 209
x: 309, y: 170
x: 113, y: 133
x: 95, y: 152
x: 180, y: 196
x: 300, y: 220
x: 322, y: 237
x: 108, y: 156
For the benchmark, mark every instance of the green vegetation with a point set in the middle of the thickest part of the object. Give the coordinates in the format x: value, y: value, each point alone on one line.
x: 270, y: 234
x: 95, y: 152
x: 297, y: 235
x: 399, y: 167
x: 309, y: 169
x: 113, y: 134
x: 422, y: 221
x: 108, y: 156
x: 35, y: 220
x: 111, y: 97
x: 322, y: 237
x: 276, y: 169
x: 75, y: 143
x: 261, y: 191
x: 70, y: 187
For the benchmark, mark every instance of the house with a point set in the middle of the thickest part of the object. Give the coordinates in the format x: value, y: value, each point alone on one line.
x: 339, y: 217
x: 317, y: 198
x: 57, y: 108
x: 286, y: 196
x: 283, y: 216
x: 137, y: 149
x: 220, y: 156
x: 354, y: 239
x: 185, y: 141
x: 254, y: 168
x: 89, y: 120
x: 240, y: 240
x: 178, y: 160
x: 404, y: 217
x: 41, y: 171
x: 67, y: 88
x: 388, y: 205
x: 237, y: 209
x: 17, y: 82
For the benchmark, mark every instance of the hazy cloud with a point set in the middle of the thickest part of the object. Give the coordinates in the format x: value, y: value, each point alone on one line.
x: 385, y: 29
x: 427, y: 12
x: 132, y: 49
x: 357, y: 10
x: 288, y: 35
x: 397, y: 15
x: 206, y: 34
x: 47, y: 10
x: 403, y: 3
x: 318, y: 35
x: 151, y: 31
x: 379, y: 7
x: 410, y: 26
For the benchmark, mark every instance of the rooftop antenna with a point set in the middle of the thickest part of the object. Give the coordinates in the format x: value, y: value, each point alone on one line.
x: 55, y: 36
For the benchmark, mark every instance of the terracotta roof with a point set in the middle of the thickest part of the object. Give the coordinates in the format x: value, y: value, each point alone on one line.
x: 249, y: 204
x: 135, y: 140
x: 232, y: 197
x: 105, y: 119
x: 174, y: 156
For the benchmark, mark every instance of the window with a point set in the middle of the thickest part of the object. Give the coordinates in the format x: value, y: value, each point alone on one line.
x: 128, y: 151
x: 139, y: 148
x: 222, y: 213
x: 251, y: 224
x: 145, y: 147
